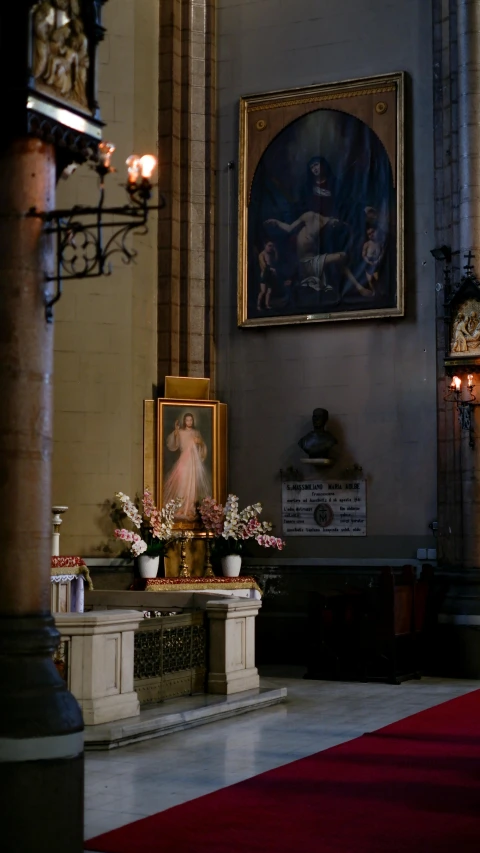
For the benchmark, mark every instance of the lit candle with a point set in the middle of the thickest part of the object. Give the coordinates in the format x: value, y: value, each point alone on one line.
x: 105, y: 151
x: 134, y: 168
x: 470, y: 380
x: 148, y: 164
x: 456, y: 384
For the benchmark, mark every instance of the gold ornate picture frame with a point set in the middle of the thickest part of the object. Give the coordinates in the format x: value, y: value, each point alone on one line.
x: 190, y: 455
x: 321, y: 211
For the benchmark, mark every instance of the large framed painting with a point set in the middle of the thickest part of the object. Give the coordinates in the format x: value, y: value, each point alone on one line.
x: 321, y: 203
x: 191, y: 455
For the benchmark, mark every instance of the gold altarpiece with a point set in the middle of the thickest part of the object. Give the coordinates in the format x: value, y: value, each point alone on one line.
x: 185, y: 395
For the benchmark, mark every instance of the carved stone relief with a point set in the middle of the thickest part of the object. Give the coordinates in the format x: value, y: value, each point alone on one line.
x: 465, y: 338
x: 60, y: 50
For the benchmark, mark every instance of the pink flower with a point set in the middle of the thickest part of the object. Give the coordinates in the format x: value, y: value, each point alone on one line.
x: 138, y: 545
x: 270, y: 541
x: 149, y: 507
x: 212, y: 515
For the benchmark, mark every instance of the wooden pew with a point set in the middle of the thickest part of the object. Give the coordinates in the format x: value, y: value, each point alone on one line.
x: 396, y: 625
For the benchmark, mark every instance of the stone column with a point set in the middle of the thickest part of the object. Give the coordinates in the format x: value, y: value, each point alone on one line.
x: 468, y: 36
x: 468, y: 31
x: 41, y: 740
x: 457, y: 211
x: 186, y: 177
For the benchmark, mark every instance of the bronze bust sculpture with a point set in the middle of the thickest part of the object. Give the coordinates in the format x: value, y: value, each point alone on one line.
x: 318, y: 443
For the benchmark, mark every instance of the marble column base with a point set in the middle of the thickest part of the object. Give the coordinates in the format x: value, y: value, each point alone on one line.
x: 99, y: 662
x: 233, y: 682
x: 232, y: 645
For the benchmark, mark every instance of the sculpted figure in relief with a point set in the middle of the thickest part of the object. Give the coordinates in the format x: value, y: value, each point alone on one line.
x: 60, y: 49
x: 466, y: 329
x: 43, y: 25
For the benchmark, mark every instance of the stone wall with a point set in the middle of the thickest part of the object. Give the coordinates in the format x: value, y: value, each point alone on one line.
x: 105, y: 329
x: 376, y: 378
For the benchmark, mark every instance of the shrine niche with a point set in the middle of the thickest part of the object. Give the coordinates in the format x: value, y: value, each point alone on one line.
x: 61, y: 51
x: 462, y: 318
x: 465, y: 337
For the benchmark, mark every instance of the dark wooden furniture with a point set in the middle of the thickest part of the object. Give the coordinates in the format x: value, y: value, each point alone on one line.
x: 373, y: 634
x: 335, y: 621
x: 399, y: 617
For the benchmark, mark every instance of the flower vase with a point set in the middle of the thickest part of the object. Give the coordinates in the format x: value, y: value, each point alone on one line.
x: 231, y: 565
x: 148, y: 566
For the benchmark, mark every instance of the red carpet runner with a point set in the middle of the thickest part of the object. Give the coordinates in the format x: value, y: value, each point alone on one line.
x: 412, y: 787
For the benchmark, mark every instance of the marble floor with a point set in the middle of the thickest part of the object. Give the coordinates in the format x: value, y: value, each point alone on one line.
x: 135, y: 781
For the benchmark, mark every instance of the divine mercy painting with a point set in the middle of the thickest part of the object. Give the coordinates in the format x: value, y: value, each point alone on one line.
x: 186, y: 455
x: 320, y: 205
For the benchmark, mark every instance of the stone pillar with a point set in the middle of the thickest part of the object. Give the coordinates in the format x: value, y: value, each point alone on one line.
x: 41, y: 740
x: 468, y: 37
x: 457, y: 211
x: 468, y: 31
x: 187, y: 179
x: 232, y: 645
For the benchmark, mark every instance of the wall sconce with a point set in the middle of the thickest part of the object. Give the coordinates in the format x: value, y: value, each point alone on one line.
x: 81, y: 251
x: 464, y: 404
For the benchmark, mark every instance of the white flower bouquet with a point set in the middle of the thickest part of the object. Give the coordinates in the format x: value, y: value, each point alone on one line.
x: 155, y: 526
x: 232, y: 527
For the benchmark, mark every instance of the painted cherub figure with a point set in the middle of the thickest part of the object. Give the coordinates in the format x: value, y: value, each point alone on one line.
x: 372, y: 254
x: 267, y: 261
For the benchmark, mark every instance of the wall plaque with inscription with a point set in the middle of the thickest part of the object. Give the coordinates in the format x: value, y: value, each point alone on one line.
x: 324, y: 508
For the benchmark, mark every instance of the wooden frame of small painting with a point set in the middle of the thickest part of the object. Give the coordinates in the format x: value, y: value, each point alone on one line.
x: 191, y: 455
x: 321, y: 208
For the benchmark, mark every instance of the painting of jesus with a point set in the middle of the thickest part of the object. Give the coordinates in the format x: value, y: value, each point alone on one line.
x: 189, y: 478
x: 186, y: 445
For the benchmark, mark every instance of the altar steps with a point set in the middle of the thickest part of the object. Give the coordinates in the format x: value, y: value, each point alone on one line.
x: 177, y: 715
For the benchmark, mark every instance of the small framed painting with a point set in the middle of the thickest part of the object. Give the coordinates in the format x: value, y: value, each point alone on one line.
x: 321, y: 203
x: 191, y: 455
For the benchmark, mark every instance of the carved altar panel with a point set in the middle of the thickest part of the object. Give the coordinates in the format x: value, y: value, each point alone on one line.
x: 465, y: 330
x: 61, y: 51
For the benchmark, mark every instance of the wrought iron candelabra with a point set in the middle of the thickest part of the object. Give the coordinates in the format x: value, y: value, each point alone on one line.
x: 82, y: 250
x: 464, y: 405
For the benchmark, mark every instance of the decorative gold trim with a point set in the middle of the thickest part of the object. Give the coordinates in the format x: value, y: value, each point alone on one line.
x: 394, y: 82
x: 150, y: 447
x: 314, y: 100
x: 167, y: 584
